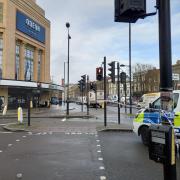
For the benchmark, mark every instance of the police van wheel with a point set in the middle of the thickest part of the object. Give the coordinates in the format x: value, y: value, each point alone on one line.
x: 145, y: 135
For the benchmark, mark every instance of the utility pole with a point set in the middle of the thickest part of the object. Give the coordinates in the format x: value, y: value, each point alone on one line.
x: 118, y: 83
x: 105, y: 103
x: 166, y: 86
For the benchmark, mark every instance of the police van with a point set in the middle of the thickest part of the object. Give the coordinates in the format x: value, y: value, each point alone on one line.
x: 152, y: 115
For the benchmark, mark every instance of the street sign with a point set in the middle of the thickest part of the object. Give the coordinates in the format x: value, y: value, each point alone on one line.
x: 176, y: 77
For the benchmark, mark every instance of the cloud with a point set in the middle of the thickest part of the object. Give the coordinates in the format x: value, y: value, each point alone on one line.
x: 95, y: 35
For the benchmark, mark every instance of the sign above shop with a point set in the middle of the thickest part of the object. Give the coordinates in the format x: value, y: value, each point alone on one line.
x: 29, y: 27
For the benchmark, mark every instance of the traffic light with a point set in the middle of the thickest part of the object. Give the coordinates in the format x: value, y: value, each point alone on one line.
x: 83, y: 80
x: 92, y: 86
x: 112, y: 70
x: 99, y: 74
x: 123, y: 77
x: 80, y: 85
x: 129, y: 10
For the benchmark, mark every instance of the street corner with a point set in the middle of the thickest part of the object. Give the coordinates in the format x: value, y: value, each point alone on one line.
x: 16, y: 127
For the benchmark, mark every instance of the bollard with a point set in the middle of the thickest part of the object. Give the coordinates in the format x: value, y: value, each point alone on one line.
x: 31, y: 104
x: 5, y: 110
x: 20, y: 115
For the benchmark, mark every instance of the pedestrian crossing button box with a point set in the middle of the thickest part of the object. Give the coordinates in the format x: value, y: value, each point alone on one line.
x: 162, y: 144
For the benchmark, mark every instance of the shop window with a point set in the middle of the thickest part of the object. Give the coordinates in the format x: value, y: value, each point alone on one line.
x: 39, y: 65
x: 1, y: 56
x: 17, y: 66
x: 1, y: 12
x: 29, y: 64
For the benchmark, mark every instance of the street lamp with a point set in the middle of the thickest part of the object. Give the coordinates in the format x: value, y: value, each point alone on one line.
x: 69, y: 37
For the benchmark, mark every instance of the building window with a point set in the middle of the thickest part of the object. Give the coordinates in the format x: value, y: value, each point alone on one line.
x: 17, y: 62
x: 29, y: 64
x: 1, y: 12
x: 1, y: 55
x: 39, y: 65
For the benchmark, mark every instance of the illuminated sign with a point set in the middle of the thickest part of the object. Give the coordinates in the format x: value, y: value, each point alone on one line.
x: 29, y: 27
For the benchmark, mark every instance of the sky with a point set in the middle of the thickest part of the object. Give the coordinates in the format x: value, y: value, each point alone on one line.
x: 94, y: 34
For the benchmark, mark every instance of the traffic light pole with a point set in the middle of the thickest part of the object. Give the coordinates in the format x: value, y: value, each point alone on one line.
x: 82, y: 101
x: 105, y: 103
x: 29, y: 109
x: 165, y: 65
x: 118, y: 83
x: 87, y: 91
x: 96, y: 95
x: 125, y: 90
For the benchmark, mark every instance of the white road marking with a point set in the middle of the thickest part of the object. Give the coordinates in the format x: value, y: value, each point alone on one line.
x: 100, y: 159
x: 9, y: 145
x: 30, y: 133
x: 98, y: 140
x: 6, y: 132
x: 98, y: 145
x: 73, y: 133
x: 99, y: 151
x: 24, y: 136
x: 102, y: 177
x: 17, y: 140
x: 19, y: 175
x: 79, y: 133
x: 101, y: 168
x: 63, y: 120
x: 67, y: 133
x: 2, y: 124
x: 1, y: 151
x: 44, y: 133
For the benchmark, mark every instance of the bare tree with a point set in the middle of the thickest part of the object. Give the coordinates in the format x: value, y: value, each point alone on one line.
x: 139, y: 70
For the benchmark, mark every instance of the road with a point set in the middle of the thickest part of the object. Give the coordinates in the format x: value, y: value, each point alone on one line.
x: 126, y: 158
x: 71, y: 149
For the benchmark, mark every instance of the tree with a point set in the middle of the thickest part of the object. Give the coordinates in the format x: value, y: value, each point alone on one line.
x: 139, y: 70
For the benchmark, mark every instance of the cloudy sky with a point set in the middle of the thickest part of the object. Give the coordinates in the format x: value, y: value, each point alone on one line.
x: 95, y: 35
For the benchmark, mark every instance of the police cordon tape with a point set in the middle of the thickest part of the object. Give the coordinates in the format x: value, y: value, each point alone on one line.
x: 112, y: 102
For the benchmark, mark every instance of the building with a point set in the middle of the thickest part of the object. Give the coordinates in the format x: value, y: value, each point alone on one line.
x: 149, y: 80
x: 176, y: 76
x: 24, y: 53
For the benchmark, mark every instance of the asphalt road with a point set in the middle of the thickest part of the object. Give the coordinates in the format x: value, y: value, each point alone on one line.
x: 51, y: 156
x: 62, y: 149
x: 126, y: 158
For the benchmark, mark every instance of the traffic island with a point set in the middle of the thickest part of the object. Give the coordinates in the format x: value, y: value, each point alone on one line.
x: 115, y: 127
x: 17, y: 127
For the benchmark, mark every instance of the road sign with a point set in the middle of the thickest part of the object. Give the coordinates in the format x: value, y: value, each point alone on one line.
x: 176, y: 77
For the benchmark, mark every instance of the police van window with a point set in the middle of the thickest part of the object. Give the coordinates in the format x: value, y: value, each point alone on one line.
x: 175, y: 98
x: 157, y: 104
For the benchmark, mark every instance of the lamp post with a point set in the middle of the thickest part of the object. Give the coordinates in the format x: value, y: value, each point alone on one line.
x: 69, y: 37
x: 130, y: 98
x: 64, y: 83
